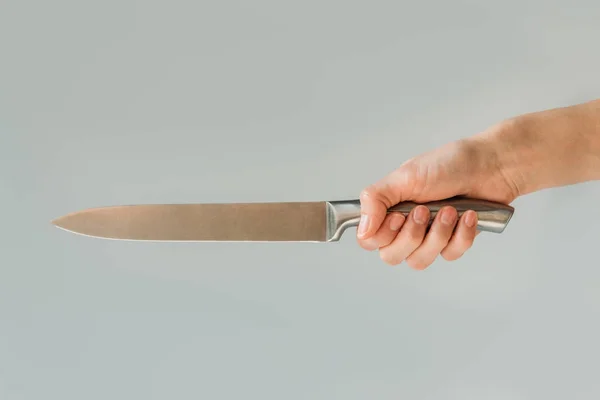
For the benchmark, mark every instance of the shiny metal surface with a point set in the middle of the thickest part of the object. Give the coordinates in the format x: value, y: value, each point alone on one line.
x: 492, y: 217
x: 324, y: 221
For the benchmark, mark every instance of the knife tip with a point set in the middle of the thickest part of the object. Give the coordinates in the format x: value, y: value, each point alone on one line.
x: 57, y: 222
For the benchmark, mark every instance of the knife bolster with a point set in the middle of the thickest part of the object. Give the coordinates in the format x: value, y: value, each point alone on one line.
x: 341, y: 215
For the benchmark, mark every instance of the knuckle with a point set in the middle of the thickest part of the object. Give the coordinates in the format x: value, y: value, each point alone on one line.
x: 451, y: 255
x: 389, y: 257
x: 464, y: 243
x: 369, y: 192
x: 385, y: 241
x: 438, y: 237
x: 414, y: 237
x: 368, y: 244
x: 411, y: 170
x: 417, y: 263
x: 378, y: 192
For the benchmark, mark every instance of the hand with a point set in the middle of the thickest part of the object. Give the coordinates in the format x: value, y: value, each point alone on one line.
x: 468, y: 167
x: 521, y: 155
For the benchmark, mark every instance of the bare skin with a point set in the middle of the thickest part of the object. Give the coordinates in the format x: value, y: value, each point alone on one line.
x: 521, y: 155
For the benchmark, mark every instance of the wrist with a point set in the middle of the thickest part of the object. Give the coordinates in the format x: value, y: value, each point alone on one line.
x: 549, y: 148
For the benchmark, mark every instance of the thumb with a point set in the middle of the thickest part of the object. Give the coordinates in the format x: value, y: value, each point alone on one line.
x: 377, y: 198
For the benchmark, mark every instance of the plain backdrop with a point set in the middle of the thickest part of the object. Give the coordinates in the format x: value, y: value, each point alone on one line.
x: 122, y: 102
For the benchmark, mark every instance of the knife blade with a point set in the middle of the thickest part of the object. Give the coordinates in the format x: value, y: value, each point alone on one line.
x: 316, y: 221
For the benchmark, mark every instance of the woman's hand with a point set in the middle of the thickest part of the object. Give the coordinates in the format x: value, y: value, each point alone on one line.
x: 518, y: 156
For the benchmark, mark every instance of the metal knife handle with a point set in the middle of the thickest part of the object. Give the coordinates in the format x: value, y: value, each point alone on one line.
x: 491, y: 216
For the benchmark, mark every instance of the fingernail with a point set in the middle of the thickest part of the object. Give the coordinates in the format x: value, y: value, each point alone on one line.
x: 471, y: 218
x: 448, y: 216
x: 363, y: 225
x: 396, y: 221
x: 420, y: 215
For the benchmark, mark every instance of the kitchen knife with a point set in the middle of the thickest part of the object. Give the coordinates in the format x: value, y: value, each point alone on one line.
x: 318, y: 221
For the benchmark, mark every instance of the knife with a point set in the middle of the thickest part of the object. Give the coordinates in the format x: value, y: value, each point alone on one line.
x: 316, y: 221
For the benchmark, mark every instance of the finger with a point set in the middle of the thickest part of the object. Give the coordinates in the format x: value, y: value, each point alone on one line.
x: 408, y: 239
x: 436, y: 240
x: 463, y: 237
x: 377, y: 198
x: 373, y: 209
x: 386, y: 233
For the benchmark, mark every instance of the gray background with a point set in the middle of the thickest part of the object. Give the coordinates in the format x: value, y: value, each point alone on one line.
x: 120, y: 102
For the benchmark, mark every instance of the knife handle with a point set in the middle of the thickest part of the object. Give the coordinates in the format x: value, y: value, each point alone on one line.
x: 491, y: 216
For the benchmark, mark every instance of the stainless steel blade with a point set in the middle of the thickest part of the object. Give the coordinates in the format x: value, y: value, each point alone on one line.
x: 294, y: 221
x: 320, y: 221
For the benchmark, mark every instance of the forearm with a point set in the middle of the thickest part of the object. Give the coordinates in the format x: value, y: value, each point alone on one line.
x: 549, y: 148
